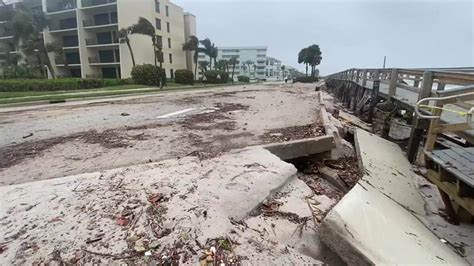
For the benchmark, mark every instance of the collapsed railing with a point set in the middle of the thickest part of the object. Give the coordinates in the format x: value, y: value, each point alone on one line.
x: 434, y: 109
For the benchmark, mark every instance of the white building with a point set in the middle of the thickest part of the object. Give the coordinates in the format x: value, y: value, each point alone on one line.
x: 273, y: 69
x: 88, y: 33
x: 252, y: 60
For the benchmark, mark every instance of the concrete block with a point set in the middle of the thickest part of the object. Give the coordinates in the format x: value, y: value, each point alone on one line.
x: 332, y: 176
x: 301, y: 148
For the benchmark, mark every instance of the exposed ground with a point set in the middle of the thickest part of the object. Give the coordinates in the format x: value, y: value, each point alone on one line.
x: 180, y: 191
x: 57, y: 140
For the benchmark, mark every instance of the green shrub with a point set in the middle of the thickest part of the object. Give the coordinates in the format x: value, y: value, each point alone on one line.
x: 61, y: 84
x: 216, y: 76
x: 149, y: 75
x: 117, y: 82
x: 22, y: 72
x: 184, y: 76
x: 305, y: 79
x: 243, y: 79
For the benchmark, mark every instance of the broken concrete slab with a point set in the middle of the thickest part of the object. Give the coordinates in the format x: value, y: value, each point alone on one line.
x: 301, y: 148
x: 375, y: 222
x: 332, y: 176
x: 190, y: 200
x: 368, y: 228
x: 386, y: 168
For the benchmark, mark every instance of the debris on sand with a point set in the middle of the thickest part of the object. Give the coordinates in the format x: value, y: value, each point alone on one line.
x: 28, y: 135
x: 124, y: 114
x: 208, y: 120
x: 109, y: 139
x: 293, y: 133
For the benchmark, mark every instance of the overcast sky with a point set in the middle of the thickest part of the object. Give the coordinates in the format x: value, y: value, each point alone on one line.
x: 351, y: 33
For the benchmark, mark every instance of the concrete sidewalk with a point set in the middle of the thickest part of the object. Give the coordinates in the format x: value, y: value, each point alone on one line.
x: 375, y: 222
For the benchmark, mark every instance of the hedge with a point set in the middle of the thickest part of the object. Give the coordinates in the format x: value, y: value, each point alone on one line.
x: 184, y: 76
x: 243, y: 79
x: 305, y: 79
x: 62, y: 84
x: 148, y: 74
x: 216, y: 76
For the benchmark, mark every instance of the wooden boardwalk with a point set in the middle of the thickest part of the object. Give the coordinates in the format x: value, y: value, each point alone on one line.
x: 449, y: 160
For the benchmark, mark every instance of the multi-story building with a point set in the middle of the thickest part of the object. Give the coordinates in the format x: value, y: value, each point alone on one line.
x: 88, y: 32
x: 273, y: 69
x: 251, y: 60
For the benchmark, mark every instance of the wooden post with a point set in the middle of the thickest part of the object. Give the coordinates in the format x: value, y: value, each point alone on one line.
x: 440, y: 86
x: 364, y: 77
x: 416, y: 82
x: 356, y: 93
x: 357, y: 76
x: 393, y: 83
x: 419, y: 126
x: 374, y: 96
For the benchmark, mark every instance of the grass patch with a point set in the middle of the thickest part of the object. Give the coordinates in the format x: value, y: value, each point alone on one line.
x: 57, y: 96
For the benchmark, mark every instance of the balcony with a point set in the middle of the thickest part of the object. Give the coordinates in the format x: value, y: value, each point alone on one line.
x: 60, y: 61
x: 97, y: 3
x: 8, y: 34
x: 103, y: 61
x: 56, y: 28
x: 99, y: 24
x: 4, y: 51
x: 97, y: 42
x: 62, y: 7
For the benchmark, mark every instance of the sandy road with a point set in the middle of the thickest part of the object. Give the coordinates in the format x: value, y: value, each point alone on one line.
x: 94, y: 135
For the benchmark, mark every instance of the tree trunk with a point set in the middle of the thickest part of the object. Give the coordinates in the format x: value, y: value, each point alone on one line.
x: 233, y: 68
x: 210, y: 63
x: 196, y: 55
x: 306, y: 69
x: 43, y: 52
x: 130, y: 50
x: 41, y: 66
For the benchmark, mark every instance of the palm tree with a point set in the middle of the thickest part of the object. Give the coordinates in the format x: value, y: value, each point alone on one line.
x: 303, y: 56
x: 27, y: 27
x: 209, y: 49
x: 144, y: 27
x: 233, y: 61
x: 193, y: 45
x: 214, y: 53
x: 203, y: 66
x: 123, y: 38
x: 57, y: 48
x: 283, y: 71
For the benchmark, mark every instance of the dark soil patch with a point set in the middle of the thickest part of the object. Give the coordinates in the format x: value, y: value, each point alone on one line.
x: 207, y: 121
x: 294, y: 133
x: 109, y: 139
x: 219, y: 144
x: 346, y: 168
x: 142, y: 127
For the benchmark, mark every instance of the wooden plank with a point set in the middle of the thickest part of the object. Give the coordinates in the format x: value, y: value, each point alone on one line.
x: 451, y: 190
x: 455, y: 162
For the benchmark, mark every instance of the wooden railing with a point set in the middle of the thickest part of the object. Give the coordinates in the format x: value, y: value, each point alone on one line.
x: 409, y: 86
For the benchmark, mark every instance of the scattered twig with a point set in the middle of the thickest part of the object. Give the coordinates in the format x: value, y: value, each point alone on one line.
x: 114, y: 256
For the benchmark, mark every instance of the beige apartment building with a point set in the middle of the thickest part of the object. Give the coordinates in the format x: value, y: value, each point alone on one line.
x: 88, y: 32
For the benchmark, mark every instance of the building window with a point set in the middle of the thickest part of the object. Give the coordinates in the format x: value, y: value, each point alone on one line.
x: 158, y: 23
x: 169, y: 43
x: 159, y: 40
x: 157, y: 6
x: 167, y: 26
x: 171, y: 73
x: 171, y: 59
x: 167, y: 11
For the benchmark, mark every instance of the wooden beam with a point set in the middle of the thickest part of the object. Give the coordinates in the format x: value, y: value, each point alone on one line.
x: 392, y: 88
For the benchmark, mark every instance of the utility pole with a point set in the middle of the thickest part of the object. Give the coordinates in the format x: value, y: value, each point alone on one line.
x: 384, y: 60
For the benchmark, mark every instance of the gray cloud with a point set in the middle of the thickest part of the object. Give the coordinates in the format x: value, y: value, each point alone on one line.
x: 350, y: 33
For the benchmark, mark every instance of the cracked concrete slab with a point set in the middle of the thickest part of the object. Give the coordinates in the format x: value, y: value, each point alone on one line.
x: 178, y: 202
x: 375, y: 222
